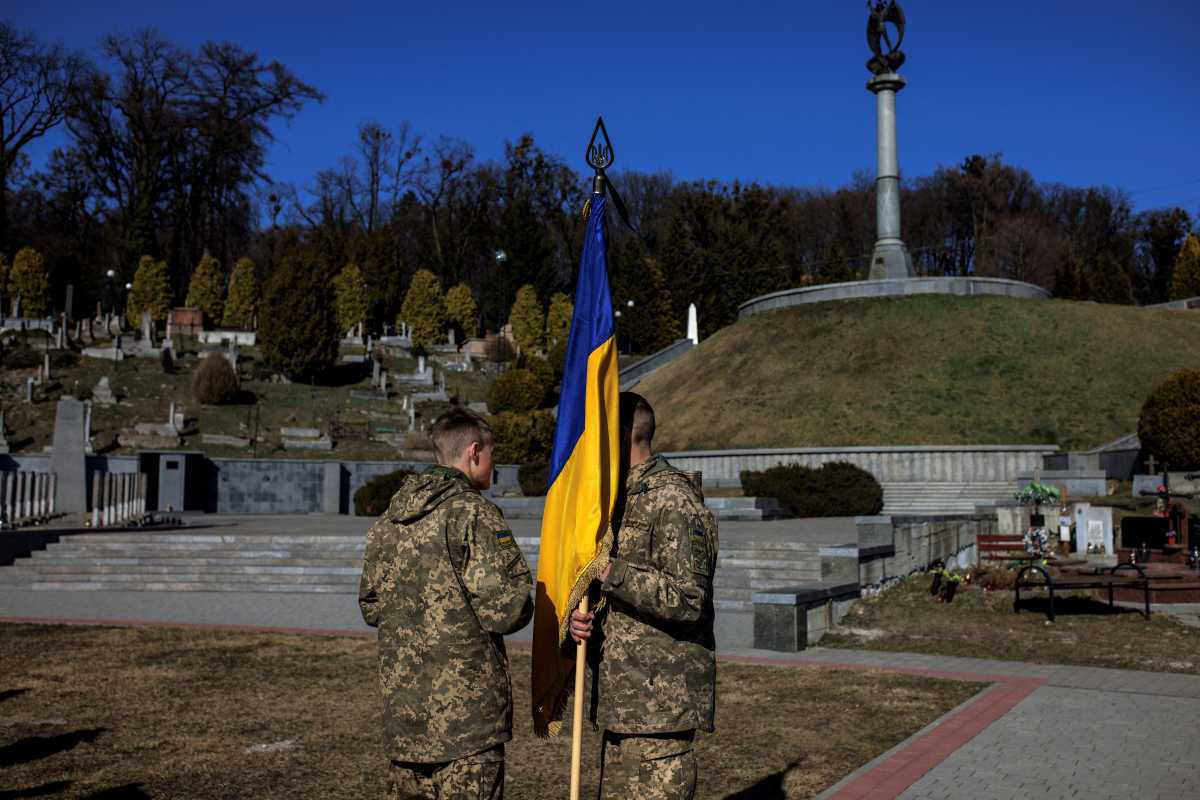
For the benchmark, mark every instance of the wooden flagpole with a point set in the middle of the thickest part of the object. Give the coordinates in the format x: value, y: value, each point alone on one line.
x: 577, y: 710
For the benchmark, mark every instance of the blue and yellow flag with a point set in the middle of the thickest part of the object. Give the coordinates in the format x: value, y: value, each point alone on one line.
x: 576, y: 525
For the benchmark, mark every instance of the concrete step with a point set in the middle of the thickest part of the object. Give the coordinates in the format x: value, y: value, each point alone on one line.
x: 186, y: 577
x: 161, y: 538
x: 179, y: 586
x: 163, y: 560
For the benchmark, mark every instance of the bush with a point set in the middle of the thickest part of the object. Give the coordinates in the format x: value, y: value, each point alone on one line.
x: 523, y: 438
x: 516, y: 390
x: 206, y: 290
x: 28, y: 278
x: 532, y: 478
x: 836, y: 489
x: 214, y: 381
x: 242, y: 302
x: 544, y: 370
x: 151, y: 291
x: 1169, y: 426
x: 424, y: 310
x: 374, y: 496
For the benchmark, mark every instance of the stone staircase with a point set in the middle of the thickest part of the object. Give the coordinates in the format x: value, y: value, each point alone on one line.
x: 182, y: 562
x: 943, y: 498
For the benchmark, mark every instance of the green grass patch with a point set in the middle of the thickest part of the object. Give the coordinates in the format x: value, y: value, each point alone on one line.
x: 981, y: 624
x: 176, y: 713
x: 936, y: 370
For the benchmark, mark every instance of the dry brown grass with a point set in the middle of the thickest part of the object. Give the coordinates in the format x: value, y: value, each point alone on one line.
x: 982, y: 624
x: 170, y: 714
x: 921, y: 370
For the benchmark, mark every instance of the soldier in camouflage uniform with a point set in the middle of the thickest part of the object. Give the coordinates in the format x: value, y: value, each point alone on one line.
x: 444, y: 581
x: 656, y: 682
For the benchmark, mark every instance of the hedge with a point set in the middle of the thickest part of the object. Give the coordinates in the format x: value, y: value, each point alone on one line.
x: 374, y: 496
x: 836, y: 489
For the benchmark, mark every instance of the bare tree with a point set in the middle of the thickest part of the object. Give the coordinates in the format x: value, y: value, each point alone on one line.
x: 35, y: 83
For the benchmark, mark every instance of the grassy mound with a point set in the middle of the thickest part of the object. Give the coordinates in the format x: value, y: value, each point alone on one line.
x: 922, y: 370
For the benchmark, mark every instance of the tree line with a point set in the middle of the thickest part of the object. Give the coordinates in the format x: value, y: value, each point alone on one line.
x: 164, y: 159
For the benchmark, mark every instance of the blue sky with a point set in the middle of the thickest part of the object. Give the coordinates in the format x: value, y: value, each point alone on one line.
x: 772, y: 92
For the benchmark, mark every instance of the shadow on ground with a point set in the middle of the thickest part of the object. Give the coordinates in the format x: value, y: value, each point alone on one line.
x: 1073, y: 606
x: 9, y: 694
x: 34, y: 748
x: 769, y: 788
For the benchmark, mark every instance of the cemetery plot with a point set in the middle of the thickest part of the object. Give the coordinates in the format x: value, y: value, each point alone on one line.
x: 980, y: 623
x: 239, y: 715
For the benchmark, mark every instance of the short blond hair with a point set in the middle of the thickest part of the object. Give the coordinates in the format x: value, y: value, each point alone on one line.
x: 456, y: 430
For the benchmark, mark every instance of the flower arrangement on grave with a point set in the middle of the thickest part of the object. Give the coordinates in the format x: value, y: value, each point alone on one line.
x: 1036, y: 542
x: 948, y: 585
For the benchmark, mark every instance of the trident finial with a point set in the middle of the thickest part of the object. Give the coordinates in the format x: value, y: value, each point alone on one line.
x: 600, y: 155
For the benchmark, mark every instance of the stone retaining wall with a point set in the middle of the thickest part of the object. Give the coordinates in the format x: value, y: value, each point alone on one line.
x: 900, y: 464
x: 902, y: 287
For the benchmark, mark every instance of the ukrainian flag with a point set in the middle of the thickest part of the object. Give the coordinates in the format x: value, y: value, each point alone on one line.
x: 576, y: 529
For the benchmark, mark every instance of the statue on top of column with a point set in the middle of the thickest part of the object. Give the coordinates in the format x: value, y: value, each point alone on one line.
x: 879, y: 14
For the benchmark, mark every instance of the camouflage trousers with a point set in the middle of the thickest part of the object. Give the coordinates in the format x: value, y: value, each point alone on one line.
x: 476, y: 777
x: 648, y: 767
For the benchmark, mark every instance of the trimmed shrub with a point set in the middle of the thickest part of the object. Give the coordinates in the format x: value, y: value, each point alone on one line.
x: 558, y: 320
x: 1169, y: 426
x: 542, y: 368
x: 350, y: 291
x: 523, y: 438
x: 1185, y: 281
x: 214, y: 381
x: 461, y: 308
x: 528, y: 319
x: 374, y: 496
x: 516, y: 390
x: 532, y: 478
x: 424, y: 310
x: 836, y: 489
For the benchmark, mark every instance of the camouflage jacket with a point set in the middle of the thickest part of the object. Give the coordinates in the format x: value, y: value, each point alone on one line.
x: 443, y: 580
x: 657, y: 669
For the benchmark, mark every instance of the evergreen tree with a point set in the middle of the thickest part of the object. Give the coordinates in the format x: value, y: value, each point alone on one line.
x: 4, y: 298
x: 1110, y: 282
x: 350, y: 288
x: 528, y: 320
x: 298, y: 325
x: 207, y: 289
x: 151, y: 291
x: 424, y: 310
x: 461, y: 308
x: 244, y: 292
x: 1185, y: 282
x: 558, y: 320
x: 28, y: 280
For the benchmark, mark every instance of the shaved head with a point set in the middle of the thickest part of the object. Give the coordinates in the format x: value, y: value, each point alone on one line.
x: 637, y: 416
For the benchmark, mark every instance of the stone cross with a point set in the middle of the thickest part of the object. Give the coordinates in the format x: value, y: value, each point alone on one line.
x: 147, y: 328
x: 420, y: 365
x: 29, y: 390
x: 1037, y: 473
x: 1150, y: 464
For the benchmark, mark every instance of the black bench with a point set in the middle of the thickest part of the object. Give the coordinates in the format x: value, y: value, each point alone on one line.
x: 1106, y: 578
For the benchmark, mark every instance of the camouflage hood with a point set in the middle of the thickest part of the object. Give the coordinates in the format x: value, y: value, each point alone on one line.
x: 421, y: 494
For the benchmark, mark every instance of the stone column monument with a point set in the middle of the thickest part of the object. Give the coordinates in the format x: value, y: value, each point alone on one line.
x: 890, y: 258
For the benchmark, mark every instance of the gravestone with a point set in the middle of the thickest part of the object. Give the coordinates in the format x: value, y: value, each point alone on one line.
x: 69, y: 310
x: 147, y: 329
x: 29, y: 390
x: 3, y: 438
x: 46, y: 367
x: 103, y: 393
x: 693, y: 327
x: 1094, y: 528
x: 68, y: 459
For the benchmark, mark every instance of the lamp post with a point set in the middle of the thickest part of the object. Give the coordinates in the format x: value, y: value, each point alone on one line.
x: 107, y: 300
x: 501, y: 260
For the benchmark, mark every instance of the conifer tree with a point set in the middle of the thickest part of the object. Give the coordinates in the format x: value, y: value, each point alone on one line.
x: 244, y: 293
x: 206, y: 291
x: 298, y: 323
x: 28, y: 280
x: 1109, y: 282
x: 151, y: 291
x: 528, y: 320
x: 558, y: 320
x: 424, y: 310
x: 350, y: 289
x: 1185, y: 282
x: 4, y: 270
x: 461, y: 308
